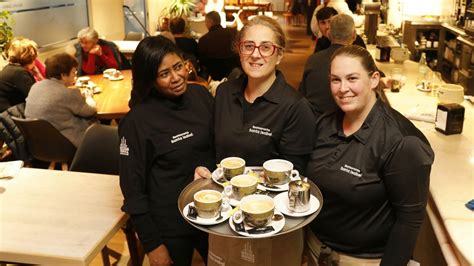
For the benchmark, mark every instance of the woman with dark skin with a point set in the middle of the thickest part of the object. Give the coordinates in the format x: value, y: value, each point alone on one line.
x: 166, y: 134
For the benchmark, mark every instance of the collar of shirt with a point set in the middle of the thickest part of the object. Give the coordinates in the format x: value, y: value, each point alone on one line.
x: 271, y: 95
x: 178, y: 103
x: 365, y: 130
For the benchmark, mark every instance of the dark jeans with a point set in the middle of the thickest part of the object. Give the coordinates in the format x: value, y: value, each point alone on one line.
x: 181, y: 248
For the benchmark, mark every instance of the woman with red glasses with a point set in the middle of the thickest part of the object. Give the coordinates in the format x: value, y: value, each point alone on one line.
x: 259, y: 116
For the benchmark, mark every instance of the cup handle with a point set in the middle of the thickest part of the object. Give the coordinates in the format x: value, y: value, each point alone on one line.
x: 295, y: 175
x: 220, y: 172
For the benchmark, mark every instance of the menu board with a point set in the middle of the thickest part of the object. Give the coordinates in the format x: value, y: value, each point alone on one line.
x: 47, y: 22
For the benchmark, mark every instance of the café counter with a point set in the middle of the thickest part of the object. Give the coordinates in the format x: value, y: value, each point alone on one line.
x: 449, y: 227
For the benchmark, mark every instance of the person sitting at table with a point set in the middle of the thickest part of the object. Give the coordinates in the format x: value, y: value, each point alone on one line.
x: 16, y: 77
x: 373, y: 167
x: 164, y: 136
x: 94, y: 54
x: 65, y: 108
x: 38, y: 70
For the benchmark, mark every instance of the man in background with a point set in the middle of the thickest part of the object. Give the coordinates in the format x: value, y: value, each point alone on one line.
x: 315, y: 85
x: 215, y: 52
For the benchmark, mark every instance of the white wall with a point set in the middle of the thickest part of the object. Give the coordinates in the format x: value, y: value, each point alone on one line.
x: 106, y: 16
x: 155, y: 8
x: 400, y: 10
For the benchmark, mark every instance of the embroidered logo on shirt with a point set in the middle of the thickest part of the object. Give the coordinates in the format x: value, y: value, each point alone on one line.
x: 351, y: 170
x: 260, y: 130
x: 181, y: 136
x: 123, y: 147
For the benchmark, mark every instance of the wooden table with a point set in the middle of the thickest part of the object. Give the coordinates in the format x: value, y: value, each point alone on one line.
x: 112, y: 102
x: 56, y: 217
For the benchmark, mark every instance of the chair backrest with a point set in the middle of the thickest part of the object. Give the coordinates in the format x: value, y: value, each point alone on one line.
x: 134, y: 36
x: 44, y: 141
x: 98, y: 152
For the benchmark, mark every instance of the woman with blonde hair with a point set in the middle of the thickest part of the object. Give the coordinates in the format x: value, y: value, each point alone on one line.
x: 16, y: 77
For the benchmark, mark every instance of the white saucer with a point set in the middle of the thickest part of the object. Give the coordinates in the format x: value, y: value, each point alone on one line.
x: 281, y: 203
x: 203, y: 221
x: 215, y: 176
x: 277, y: 225
x: 421, y: 88
x: 115, y: 78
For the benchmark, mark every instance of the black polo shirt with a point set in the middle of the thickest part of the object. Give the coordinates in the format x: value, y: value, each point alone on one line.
x: 161, y: 143
x: 374, y: 184
x: 278, y: 124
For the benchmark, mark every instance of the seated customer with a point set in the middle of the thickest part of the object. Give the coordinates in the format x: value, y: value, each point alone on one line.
x: 65, y: 108
x: 16, y: 77
x: 94, y: 54
x: 38, y: 70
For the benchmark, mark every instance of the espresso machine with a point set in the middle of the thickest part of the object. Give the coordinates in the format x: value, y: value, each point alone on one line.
x: 372, y: 11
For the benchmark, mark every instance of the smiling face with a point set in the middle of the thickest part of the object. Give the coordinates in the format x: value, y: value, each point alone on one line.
x: 172, y: 76
x: 255, y: 65
x: 351, y: 86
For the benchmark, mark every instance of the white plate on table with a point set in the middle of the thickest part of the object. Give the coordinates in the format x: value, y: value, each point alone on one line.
x: 203, y: 221
x: 115, y: 78
x: 277, y: 225
x: 420, y: 87
x: 281, y: 203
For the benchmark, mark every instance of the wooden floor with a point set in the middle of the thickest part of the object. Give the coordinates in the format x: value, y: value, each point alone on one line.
x: 299, y: 47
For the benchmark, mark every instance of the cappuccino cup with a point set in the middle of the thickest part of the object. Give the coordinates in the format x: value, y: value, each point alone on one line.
x: 208, y: 203
x: 230, y: 167
x: 243, y: 185
x: 279, y: 172
x: 257, y: 210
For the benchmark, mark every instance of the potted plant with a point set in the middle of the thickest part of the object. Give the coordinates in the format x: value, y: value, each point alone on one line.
x: 179, y: 8
x: 6, y: 31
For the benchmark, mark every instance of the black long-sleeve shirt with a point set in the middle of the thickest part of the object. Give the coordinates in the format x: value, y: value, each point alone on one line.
x: 162, y: 141
x: 374, y: 182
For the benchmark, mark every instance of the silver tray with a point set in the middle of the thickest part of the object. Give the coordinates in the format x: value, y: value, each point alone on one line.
x: 223, y: 229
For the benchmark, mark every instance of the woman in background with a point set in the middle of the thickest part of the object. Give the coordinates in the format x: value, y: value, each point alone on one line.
x: 16, y: 77
x: 166, y: 134
x: 65, y: 108
x: 372, y: 166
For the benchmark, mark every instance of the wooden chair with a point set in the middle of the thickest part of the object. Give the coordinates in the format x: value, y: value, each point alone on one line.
x: 45, y: 142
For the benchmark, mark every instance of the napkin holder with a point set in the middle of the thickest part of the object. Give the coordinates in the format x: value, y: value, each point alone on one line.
x: 449, y: 118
